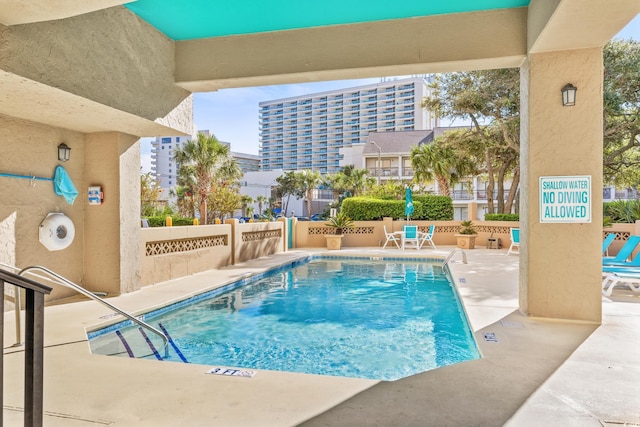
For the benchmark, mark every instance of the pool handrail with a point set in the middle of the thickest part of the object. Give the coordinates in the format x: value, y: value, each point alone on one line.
x: 451, y: 254
x: 69, y: 284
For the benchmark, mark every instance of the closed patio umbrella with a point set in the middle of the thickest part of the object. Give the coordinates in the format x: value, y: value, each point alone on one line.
x: 408, y: 200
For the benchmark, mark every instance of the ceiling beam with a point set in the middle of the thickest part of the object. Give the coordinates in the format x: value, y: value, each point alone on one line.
x: 455, y: 42
x: 555, y: 25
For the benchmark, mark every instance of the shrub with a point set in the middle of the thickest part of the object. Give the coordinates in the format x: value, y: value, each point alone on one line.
x: 425, y: 207
x: 158, y: 221
x: 502, y: 217
x: 369, y: 209
x: 468, y: 227
x: 435, y: 208
x: 626, y: 211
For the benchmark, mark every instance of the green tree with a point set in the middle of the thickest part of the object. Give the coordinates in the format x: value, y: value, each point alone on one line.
x: 306, y: 181
x: 390, y: 189
x: 150, y: 194
x: 488, y: 98
x: 203, y: 163
x: 285, y: 189
x: 439, y: 162
x: 223, y: 202
x: 351, y: 180
x: 262, y: 200
x: 621, y: 160
x: 245, y: 200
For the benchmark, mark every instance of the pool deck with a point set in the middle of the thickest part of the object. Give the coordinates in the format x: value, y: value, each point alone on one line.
x: 534, y: 372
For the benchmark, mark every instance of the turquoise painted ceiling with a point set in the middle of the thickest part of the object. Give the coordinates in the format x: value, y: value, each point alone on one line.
x: 194, y: 19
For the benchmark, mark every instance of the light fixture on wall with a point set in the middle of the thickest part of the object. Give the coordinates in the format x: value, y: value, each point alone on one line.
x: 569, y: 95
x: 63, y: 152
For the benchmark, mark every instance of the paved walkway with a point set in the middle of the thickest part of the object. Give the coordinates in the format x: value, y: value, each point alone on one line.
x: 538, y: 373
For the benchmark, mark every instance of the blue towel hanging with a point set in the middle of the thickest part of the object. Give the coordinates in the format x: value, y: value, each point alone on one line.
x: 63, y: 186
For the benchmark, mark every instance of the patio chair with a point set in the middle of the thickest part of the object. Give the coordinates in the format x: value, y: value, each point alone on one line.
x: 622, y: 258
x: 392, y: 237
x: 515, y: 241
x: 629, y: 278
x: 411, y: 236
x: 428, y: 237
x: 607, y: 242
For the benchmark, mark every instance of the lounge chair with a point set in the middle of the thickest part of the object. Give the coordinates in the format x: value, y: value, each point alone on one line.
x: 607, y: 242
x: 428, y: 237
x: 392, y: 237
x: 515, y: 241
x: 411, y: 236
x: 611, y: 280
x: 622, y: 258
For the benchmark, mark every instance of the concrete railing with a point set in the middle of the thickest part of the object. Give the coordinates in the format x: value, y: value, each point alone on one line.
x: 173, y: 252
x: 310, y: 234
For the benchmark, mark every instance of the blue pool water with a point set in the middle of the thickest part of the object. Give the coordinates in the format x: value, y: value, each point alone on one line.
x: 381, y: 320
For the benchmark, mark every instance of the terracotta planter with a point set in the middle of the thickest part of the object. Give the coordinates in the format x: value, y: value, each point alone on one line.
x: 334, y: 241
x: 466, y: 241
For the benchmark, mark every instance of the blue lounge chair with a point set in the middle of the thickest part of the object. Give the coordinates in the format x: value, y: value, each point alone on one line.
x: 607, y: 242
x: 622, y: 258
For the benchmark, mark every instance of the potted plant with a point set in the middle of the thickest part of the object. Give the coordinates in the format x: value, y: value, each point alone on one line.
x: 467, y: 236
x: 338, y: 223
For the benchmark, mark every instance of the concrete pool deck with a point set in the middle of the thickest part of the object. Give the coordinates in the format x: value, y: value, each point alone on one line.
x: 534, y: 372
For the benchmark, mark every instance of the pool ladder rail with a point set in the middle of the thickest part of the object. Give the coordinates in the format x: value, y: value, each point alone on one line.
x: 451, y: 254
x: 58, y: 279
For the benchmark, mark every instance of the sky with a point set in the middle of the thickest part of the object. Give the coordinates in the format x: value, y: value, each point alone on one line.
x: 232, y: 114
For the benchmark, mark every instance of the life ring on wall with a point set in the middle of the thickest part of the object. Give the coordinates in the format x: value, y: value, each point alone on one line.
x: 57, y: 231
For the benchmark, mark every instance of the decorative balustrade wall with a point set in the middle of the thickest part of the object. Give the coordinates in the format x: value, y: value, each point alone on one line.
x: 173, y: 252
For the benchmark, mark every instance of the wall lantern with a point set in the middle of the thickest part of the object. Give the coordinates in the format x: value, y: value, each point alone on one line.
x: 63, y: 152
x: 569, y: 95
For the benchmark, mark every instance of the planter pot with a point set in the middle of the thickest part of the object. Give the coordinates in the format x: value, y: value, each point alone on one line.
x: 334, y: 241
x: 466, y: 241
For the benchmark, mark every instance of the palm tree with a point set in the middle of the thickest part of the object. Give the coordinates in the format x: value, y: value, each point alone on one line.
x: 307, y: 181
x: 246, y: 201
x: 435, y: 162
x: 262, y: 200
x: 200, y: 161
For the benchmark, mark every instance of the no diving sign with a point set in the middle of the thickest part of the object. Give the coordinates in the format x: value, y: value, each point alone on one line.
x: 565, y: 199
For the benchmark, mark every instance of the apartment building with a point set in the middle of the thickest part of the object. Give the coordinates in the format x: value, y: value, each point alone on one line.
x: 307, y: 132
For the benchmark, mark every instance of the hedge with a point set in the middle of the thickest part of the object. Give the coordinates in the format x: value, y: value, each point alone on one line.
x: 435, y: 208
x: 427, y: 207
x: 159, y: 221
x: 502, y: 217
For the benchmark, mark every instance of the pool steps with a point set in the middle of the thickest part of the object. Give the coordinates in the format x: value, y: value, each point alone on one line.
x: 60, y: 280
x: 150, y: 344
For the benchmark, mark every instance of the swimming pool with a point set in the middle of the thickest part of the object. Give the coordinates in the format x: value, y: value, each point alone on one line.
x: 364, y: 318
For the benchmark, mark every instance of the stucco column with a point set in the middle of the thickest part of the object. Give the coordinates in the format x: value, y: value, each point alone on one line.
x: 560, y: 263
x: 112, y: 230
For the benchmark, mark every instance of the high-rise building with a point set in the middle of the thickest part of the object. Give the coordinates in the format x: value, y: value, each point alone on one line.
x: 307, y: 132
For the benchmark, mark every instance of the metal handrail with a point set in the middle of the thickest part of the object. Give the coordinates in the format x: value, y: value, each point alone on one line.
x: 65, y: 282
x: 34, y: 346
x: 451, y: 254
